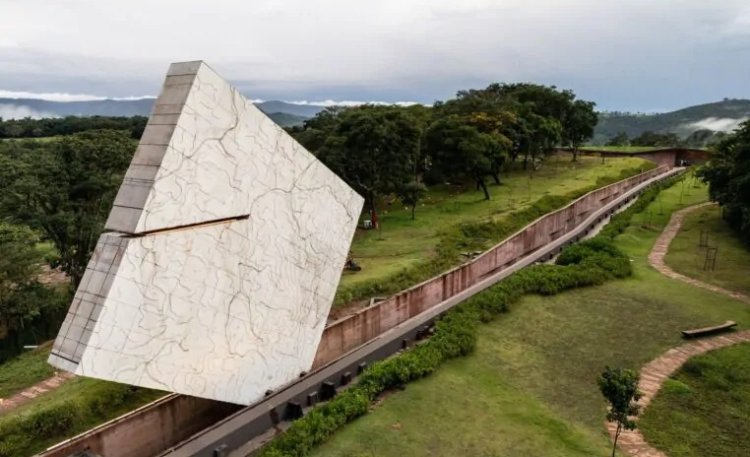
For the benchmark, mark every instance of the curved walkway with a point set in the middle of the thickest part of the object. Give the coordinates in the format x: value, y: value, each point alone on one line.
x: 656, y: 257
x: 28, y: 394
x: 654, y: 373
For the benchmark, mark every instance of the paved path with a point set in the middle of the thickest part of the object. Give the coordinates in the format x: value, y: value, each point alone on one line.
x: 7, y: 404
x: 656, y: 372
x: 656, y: 257
x: 653, y: 374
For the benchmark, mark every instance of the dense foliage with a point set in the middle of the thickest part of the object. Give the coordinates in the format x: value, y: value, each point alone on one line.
x: 383, y: 150
x: 56, y: 197
x: 728, y: 178
x: 58, y: 126
x: 65, y: 190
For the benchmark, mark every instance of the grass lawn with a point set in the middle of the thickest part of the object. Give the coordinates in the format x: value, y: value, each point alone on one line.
x: 529, y: 388
x: 733, y: 257
x: 704, y: 409
x: 404, y: 243
x: 628, y: 149
x: 25, y: 370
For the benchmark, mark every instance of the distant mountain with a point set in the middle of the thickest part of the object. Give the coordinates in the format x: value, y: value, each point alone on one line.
x: 283, y: 113
x: 276, y: 106
x: 719, y: 116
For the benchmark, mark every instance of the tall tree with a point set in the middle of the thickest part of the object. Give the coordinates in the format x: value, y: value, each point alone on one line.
x: 374, y: 149
x: 66, y: 191
x: 578, y: 125
x: 461, y: 151
x: 620, y: 388
x: 728, y: 176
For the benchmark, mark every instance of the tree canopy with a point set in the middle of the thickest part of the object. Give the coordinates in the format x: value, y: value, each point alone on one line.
x: 728, y: 178
x: 66, y: 189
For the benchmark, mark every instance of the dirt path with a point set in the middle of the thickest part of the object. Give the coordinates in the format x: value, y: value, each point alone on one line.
x: 656, y: 257
x: 28, y: 394
x: 656, y: 372
x: 653, y: 374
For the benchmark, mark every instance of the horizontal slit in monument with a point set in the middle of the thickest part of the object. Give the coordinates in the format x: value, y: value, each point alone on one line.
x: 56, y: 354
x: 186, y: 226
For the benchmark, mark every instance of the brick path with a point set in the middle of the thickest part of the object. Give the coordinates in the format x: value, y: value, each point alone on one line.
x: 653, y: 374
x: 7, y: 404
x: 656, y: 372
x: 656, y: 257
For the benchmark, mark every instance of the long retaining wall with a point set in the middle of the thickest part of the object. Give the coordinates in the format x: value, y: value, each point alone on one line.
x: 158, y: 425
x: 346, y: 334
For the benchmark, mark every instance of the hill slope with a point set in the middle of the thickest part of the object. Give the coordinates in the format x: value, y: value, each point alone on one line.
x: 719, y: 116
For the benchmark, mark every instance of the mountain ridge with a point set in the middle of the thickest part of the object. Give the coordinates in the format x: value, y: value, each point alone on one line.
x: 283, y: 113
x: 723, y: 115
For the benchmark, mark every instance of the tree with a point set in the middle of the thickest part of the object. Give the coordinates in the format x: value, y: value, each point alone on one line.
x: 578, y: 126
x: 728, y: 176
x: 461, y: 151
x: 411, y: 193
x: 649, y: 138
x: 374, y: 149
x: 620, y: 388
x: 621, y: 139
x: 66, y: 192
x: 19, y: 267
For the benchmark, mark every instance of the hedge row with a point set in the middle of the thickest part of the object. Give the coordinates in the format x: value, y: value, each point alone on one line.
x: 473, y: 236
x: 94, y: 401
x: 587, y: 263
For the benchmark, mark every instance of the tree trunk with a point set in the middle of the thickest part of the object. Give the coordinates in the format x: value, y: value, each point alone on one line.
x: 413, y: 209
x: 496, y: 177
x: 480, y: 183
x: 617, y: 435
x: 372, y: 209
x: 575, y: 154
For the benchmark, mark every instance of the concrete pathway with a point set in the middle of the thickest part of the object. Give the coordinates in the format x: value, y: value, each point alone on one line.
x: 16, y: 400
x: 656, y: 257
x: 653, y: 374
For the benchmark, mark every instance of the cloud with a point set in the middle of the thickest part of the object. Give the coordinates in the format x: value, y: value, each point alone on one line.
x: 19, y: 112
x: 717, y: 124
x: 62, y: 97
x: 624, y: 54
x: 327, y: 103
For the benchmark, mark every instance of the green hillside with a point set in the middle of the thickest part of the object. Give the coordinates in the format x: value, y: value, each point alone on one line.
x: 718, y: 116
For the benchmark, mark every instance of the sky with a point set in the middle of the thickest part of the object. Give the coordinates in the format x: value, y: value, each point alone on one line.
x: 629, y: 55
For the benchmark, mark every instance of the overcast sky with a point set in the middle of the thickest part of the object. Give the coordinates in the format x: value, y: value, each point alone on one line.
x: 640, y: 55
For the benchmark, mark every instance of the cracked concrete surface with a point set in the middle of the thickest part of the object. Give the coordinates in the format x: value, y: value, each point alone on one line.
x: 227, y: 244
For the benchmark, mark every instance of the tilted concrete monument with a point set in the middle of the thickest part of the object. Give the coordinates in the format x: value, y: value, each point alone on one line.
x: 223, y: 253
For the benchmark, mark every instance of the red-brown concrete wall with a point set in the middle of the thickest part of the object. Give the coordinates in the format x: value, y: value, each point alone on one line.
x: 154, y: 427
x: 346, y: 334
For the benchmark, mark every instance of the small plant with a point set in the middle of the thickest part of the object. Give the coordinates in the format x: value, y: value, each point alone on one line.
x: 620, y: 388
